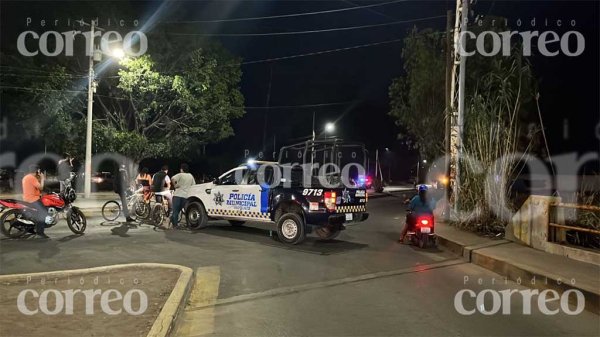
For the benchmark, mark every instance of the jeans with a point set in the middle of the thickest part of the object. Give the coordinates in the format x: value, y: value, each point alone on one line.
x: 124, y: 204
x: 39, y: 217
x: 178, y: 205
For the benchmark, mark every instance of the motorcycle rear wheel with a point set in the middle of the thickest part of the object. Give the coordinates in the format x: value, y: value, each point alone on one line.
x: 76, y: 221
x: 8, y: 222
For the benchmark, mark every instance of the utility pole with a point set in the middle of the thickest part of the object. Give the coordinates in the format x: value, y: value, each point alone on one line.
x: 88, y: 136
x: 448, y: 108
x: 457, y: 99
x: 376, y: 161
x: 313, y: 128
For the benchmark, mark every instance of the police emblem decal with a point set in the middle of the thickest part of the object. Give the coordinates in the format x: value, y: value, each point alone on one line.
x: 346, y: 198
x: 218, y: 199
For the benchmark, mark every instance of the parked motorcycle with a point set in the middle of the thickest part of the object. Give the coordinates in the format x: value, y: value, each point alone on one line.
x: 19, y: 218
x: 421, y: 232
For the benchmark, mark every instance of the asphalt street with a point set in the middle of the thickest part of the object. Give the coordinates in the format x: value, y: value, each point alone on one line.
x: 362, y: 284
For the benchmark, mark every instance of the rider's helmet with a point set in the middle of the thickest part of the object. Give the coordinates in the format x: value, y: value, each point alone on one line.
x: 423, y: 188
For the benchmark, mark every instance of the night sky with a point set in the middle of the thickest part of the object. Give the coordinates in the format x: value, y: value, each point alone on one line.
x: 569, y: 86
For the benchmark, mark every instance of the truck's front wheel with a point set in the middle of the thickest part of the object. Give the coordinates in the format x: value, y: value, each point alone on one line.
x: 290, y: 228
x: 196, y: 215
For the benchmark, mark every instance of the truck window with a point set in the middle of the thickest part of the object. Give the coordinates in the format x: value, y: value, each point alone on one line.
x: 233, y: 178
x: 262, y: 176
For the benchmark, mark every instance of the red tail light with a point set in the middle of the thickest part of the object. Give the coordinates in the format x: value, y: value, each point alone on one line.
x: 330, y: 201
x: 424, y: 222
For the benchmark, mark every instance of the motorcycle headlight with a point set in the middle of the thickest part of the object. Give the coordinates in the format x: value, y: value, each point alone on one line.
x: 72, y: 196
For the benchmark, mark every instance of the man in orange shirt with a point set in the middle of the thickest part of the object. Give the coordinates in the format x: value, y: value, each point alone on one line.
x: 33, y: 183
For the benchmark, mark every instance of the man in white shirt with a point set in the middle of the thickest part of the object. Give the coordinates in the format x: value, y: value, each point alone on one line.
x: 181, y: 182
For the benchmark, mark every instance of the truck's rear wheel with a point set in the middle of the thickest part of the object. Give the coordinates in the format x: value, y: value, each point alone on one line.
x: 290, y: 228
x: 195, y: 215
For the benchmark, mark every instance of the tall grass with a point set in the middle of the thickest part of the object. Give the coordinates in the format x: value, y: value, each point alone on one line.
x: 493, y: 146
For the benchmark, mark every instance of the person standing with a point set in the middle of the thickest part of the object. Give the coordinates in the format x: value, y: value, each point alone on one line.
x: 121, y: 183
x: 181, y: 182
x: 33, y: 184
x: 64, y: 168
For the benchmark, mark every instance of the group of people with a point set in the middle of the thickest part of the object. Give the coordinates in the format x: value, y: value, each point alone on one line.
x: 174, y: 189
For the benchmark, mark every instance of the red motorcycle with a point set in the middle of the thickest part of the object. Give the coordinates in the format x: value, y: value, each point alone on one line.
x: 422, y: 233
x: 19, y: 218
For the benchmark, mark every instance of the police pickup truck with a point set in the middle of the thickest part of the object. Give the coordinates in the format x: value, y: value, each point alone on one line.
x: 281, y: 195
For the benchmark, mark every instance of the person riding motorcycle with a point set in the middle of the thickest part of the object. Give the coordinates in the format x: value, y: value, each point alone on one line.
x: 420, y: 204
x: 33, y: 184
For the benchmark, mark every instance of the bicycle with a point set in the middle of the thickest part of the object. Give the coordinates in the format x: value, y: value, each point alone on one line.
x: 161, y: 211
x: 111, y: 210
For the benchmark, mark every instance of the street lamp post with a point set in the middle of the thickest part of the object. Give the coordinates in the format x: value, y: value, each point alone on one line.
x: 88, y: 135
x: 95, y: 55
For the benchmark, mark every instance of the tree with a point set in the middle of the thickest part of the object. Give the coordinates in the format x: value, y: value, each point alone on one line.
x: 499, y: 92
x: 174, y: 112
x: 44, y: 104
x: 417, y: 99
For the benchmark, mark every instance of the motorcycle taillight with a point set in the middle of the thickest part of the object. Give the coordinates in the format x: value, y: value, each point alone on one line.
x: 330, y: 201
x: 424, y: 222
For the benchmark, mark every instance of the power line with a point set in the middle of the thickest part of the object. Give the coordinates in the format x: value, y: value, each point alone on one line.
x: 298, y: 106
x: 301, y: 32
x: 36, y: 89
x: 40, y: 75
x: 35, y: 70
x: 289, y: 15
x: 323, y: 52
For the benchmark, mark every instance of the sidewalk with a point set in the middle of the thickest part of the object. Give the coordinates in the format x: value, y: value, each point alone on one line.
x: 524, y: 264
x: 391, y: 191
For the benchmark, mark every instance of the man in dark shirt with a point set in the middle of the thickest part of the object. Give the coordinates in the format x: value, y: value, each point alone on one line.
x: 121, y: 183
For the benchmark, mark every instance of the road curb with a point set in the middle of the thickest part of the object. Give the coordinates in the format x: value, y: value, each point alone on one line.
x: 165, y: 321
x: 519, y: 273
x: 167, y: 318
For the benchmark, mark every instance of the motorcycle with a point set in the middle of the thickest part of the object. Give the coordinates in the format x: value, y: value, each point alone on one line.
x: 20, y: 217
x: 421, y: 232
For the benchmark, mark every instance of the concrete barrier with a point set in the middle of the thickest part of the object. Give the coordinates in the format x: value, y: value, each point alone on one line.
x: 529, y: 226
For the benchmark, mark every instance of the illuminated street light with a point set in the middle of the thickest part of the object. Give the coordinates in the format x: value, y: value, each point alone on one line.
x: 118, y: 53
x: 329, y: 127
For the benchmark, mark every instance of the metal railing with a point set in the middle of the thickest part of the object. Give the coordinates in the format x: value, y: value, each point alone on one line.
x: 557, y: 232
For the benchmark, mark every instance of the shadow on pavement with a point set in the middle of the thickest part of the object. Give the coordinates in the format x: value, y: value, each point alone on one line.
x: 70, y: 237
x: 110, y: 223
x: 121, y: 230
x: 263, y: 236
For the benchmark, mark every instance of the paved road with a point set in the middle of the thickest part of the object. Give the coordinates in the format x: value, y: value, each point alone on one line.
x: 363, y: 284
